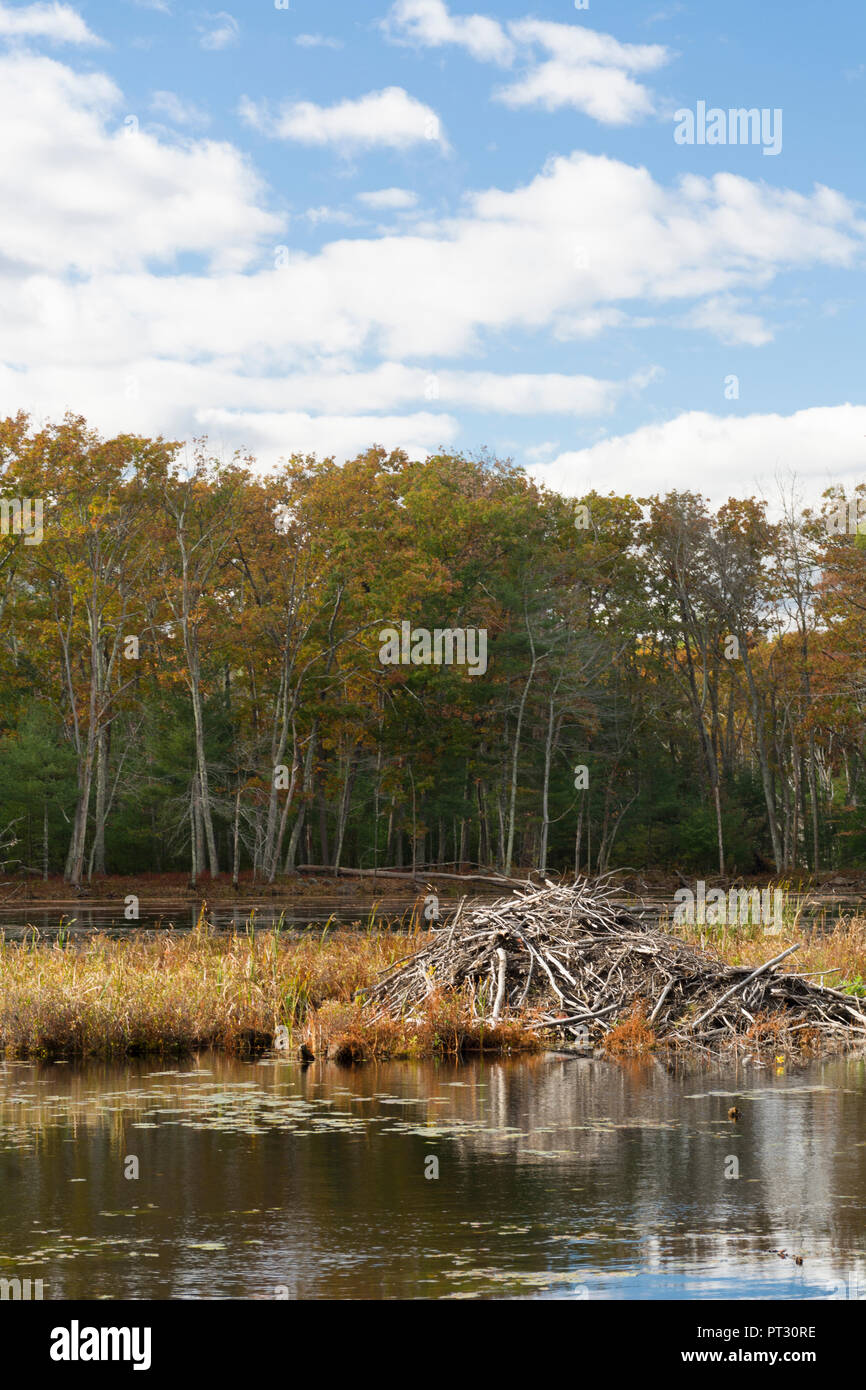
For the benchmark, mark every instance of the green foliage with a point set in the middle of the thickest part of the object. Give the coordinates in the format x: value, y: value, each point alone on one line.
x: 257, y: 647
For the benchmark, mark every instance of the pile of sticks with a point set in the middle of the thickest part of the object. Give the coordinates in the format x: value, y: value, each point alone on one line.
x: 570, y: 960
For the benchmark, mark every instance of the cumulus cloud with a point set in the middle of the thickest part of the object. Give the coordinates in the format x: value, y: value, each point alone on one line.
x: 429, y: 23
x: 391, y: 118
x: 328, y: 411
x: 590, y: 236
x: 719, y: 455
x: 530, y: 393
x: 55, y: 22
x: 583, y: 69
x: 80, y: 190
x: 99, y: 318
x: 557, y: 64
x: 278, y: 433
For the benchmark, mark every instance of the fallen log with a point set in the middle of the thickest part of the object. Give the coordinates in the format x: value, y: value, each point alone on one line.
x: 426, y: 874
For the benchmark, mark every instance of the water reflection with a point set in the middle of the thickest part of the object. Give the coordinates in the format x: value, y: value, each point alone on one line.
x: 76, y: 920
x: 558, y: 1176
x: 81, y: 920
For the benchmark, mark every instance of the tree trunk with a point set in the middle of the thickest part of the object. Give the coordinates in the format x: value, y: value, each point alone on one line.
x: 545, y: 795
x: 343, y: 813
x: 512, y: 804
x: 97, y: 852
x: 193, y: 835
x: 298, y: 827
x: 763, y: 760
x: 236, y: 845
x: 577, y: 838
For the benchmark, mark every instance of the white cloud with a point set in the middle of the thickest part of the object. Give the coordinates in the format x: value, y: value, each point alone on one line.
x: 317, y: 41
x: 389, y: 199
x: 561, y: 64
x: 329, y: 411
x: 572, y: 43
x: 585, y: 70
x: 429, y: 23
x: 323, y: 213
x: 279, y: 433
x: 182, y: 401
x: 508, y: 263
x: 719, y: 455
x: 55, y: 22
x: 388, y: 389
x: 81, y: 191
x: 725, y: 318
x: 527, y: 393
x: 222, y: 32
x: 391, y: 118
x: 370, y: 328
x: 175, y: 109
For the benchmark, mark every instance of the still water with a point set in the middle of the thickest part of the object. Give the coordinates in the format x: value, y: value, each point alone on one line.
x: 560, y: 1177
x: 79, y: 920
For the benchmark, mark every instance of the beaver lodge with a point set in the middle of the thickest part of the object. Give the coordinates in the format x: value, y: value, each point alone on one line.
x: 570, y: 962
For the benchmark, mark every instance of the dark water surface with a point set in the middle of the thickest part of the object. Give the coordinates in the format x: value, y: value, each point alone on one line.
x: 80, y: 920
x: 558, y: 1177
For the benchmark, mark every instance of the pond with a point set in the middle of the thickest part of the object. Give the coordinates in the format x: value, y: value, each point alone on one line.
x: 83, y: 919
x: 80, y: 919
x: 553, y: 1177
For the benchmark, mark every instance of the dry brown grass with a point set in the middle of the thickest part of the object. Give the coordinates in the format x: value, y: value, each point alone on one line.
x: 173, y: 993
x: 177, y: 992
x: 632, y: 1035
x: 841, y: 949
x: 446, y: 1026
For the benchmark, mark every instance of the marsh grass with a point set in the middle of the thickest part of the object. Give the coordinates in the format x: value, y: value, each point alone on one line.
x: 174, y: 993
x: 838, y: 951
x: 447, y: 1025
x: 631, y: 1036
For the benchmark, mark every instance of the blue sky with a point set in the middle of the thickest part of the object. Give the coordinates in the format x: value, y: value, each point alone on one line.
x: 320, y: 227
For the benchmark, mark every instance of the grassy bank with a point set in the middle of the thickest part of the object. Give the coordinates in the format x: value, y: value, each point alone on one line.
x: 835, y: 957
x: 169, y: 994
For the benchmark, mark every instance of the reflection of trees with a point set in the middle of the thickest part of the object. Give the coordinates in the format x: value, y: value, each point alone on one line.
x: 627, y: 1162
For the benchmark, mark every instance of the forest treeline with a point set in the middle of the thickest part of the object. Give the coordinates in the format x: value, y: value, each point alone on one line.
x: 191, y: 672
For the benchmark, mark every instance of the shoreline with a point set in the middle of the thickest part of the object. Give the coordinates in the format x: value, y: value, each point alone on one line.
x: 311, y: 883
x: 245, y: 992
